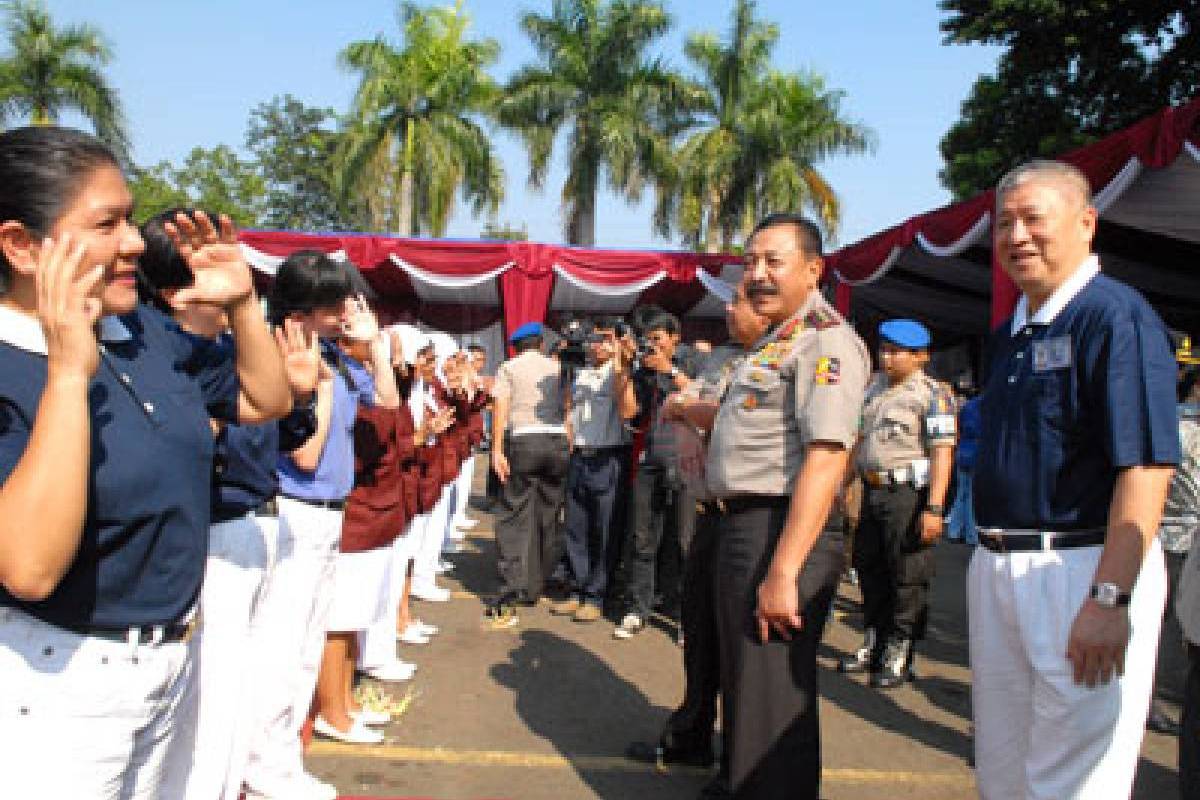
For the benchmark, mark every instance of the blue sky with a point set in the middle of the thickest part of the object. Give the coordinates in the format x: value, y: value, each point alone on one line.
x: 190, y: 72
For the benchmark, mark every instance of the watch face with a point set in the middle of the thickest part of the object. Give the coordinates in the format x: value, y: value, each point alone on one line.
x: 1107, y: 594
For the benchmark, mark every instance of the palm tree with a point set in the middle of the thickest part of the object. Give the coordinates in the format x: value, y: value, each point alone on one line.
x: 764, y: 133
x: 50, y: 70
x: 621, y: 108
x: 413, y: 133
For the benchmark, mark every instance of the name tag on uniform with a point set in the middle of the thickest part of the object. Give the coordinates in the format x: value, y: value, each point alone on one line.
x: 1051, y: 354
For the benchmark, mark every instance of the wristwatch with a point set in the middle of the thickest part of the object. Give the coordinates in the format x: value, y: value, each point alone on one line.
x: 934, y: 508
x: 1109, y: 595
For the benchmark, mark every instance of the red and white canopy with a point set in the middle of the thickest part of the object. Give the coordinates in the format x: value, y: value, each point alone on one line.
x: 486, y: 289
x: 937, y: 266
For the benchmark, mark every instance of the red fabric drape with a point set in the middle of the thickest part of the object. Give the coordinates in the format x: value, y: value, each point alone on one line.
x: 843, y: 294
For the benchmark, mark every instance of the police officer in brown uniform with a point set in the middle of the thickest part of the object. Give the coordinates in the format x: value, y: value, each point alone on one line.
x: 904, y: 457
x: 778, y: 453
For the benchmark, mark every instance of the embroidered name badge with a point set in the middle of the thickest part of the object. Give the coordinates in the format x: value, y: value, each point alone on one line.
x: 829, y: 371
x: 1052, y: 354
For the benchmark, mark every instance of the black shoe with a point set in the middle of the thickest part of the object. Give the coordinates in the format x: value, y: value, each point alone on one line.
x: 1159, y: 722
x: 716, y: 789
x: 861, y: 659
x: 662, y: 756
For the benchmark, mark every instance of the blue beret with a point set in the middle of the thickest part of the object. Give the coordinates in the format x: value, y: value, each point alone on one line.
x: 905, y: 333
x: 525, y: 331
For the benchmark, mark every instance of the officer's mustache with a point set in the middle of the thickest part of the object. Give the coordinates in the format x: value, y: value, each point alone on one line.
x: 758, y: 289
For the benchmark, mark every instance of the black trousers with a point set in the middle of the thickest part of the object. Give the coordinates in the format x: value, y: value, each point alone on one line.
x: 1189, y: 734
x: 894, y: 568
x: 690, y: 726
x: 769, y: 691
x: 527, y: 530
x: 591, y: 497
x: 663, y: 510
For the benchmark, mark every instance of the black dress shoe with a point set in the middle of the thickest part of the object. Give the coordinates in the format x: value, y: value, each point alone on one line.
x: 1159, y: 722
x: 648, y: 753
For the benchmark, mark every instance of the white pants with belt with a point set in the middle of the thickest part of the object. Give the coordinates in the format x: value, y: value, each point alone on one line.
x: 241, y: 553
x: 82, y: 716
x: 294, y: 615
x: 1039, y: 735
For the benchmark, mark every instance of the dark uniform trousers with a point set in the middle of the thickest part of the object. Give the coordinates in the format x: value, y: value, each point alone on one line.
x: 894, y: 568
x: 664, y: 515
x: 690, y: 726
x: 527, y: 532
x: 1189, y: 734
x: 591, y: 499
x: 769, y: 691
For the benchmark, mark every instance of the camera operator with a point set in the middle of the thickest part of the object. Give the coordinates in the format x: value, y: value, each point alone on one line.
x: 662, y: 505
x: 601, y: 400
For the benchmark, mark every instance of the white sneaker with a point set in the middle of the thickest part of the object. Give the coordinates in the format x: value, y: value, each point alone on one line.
x: 412, y: 635
x: 425, y: 627
x: 357, y: 733
x: 630, y: 625
x: 366, y: 716
x: 430, y: 592
x: 393, y: 672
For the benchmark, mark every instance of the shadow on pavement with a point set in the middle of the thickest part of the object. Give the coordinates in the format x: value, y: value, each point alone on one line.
x: 572, y: 699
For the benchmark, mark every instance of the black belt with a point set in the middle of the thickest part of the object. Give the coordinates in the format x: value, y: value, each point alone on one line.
x: 146, y: 634
x: 1012, y: 540
x: 591, y: 452
x: 745, y: 502
x: 332, y: 505
x: 267, y: 508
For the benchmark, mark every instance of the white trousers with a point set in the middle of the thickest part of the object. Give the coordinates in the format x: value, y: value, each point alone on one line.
x: 82, y: 716
x: 377, y: 644
x: 295, y: 611
x: 429, y: 551
x: 462, y: 486
x: 1039, y: 735
x: 229, y: 674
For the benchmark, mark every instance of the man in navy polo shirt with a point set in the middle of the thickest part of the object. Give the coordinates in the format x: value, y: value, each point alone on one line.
x: 1078, y: 443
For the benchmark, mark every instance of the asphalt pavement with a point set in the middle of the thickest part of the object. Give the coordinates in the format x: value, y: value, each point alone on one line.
x: 545, y: 710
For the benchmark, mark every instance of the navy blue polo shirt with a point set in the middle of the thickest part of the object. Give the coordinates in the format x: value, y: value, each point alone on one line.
x: 1069, y: 403
x: 145, y: 537
x: 244, y: 461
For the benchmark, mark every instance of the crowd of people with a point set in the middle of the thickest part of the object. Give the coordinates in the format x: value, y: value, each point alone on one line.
x: 212, y: 518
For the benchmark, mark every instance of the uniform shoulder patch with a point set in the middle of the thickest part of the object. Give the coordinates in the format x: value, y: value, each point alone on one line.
x: 828, y: 371
x: 819, y: 319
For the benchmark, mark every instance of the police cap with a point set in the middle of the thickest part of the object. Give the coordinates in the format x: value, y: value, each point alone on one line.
x: 525, y: 331
x: 907, y: 333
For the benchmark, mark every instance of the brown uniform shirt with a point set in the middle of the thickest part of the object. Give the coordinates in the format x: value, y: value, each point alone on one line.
x: 803, y: 382
x: 531, y: 383
x: 902, y: 423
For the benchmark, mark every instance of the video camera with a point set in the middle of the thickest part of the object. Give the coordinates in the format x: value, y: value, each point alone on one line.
x: 573, y: 350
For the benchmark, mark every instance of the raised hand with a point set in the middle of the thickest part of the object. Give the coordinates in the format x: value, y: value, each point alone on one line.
x: 222, y: 276
x: 360, y: 324
x: 301, y: 359
x: 397, y: 350
x: 66, y: 308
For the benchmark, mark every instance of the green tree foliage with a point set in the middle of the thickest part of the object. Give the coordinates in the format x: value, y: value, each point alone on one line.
x: 1073, y: 71
x: 414, y: 139
x: 215, y: 180
x: 50, y: 70
x: 293, y: 147
x: 761, y: 137
x: 594, y: 77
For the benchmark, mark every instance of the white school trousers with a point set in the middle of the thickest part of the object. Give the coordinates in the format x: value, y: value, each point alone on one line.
x: 240, y: 555
x: 377, y: 644
x: 1038, y: 735
x: 466, y: 476
x: 82, y: 716
x: 429, y: 551
x: 295, y: 612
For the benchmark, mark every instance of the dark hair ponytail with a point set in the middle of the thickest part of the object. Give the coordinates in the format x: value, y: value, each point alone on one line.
x: 41, y: 170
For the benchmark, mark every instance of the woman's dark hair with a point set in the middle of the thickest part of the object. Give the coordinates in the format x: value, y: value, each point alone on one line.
x: 41, y: 170
x: 306, y: 280
x: 160, y: 266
